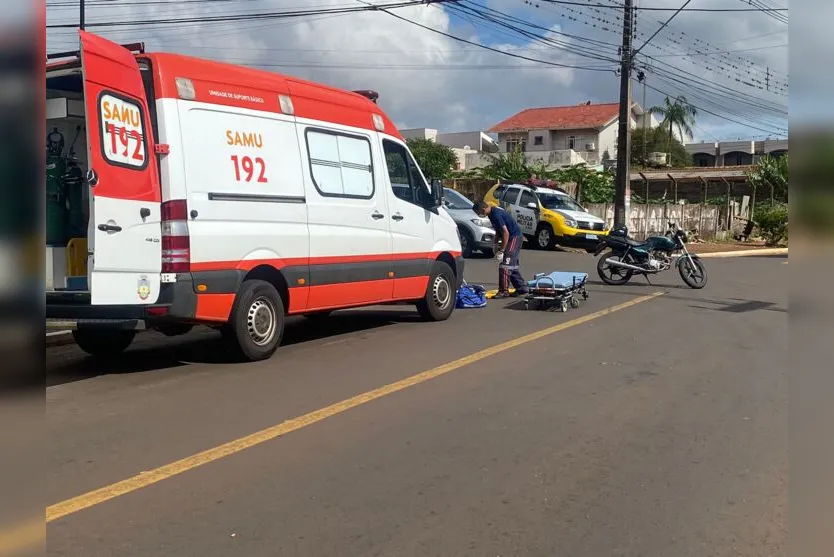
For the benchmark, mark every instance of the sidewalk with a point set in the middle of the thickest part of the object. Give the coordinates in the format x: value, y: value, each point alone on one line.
x: 59, y: 338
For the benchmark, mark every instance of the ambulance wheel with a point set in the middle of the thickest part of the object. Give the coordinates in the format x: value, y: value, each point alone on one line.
x: 439, y: 301
x: 103, y: 343
x: 256, y: 324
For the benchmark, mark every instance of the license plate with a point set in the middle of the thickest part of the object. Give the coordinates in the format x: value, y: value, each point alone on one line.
x: 591, y: 236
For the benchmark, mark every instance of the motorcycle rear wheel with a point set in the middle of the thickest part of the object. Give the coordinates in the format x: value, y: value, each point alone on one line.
x: 615, y: 276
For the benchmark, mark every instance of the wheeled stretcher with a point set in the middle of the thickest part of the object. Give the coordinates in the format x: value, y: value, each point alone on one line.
x: 558, y: 289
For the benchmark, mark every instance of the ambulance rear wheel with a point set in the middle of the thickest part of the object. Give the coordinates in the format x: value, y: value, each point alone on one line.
x: 103, y: 343
x: 439, y: 301
x: 256, y: 325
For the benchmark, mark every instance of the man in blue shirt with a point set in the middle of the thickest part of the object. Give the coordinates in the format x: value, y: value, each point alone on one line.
x: 508, y: 231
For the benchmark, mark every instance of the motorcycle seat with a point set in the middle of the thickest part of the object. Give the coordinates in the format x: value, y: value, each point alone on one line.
x: 627, y: 241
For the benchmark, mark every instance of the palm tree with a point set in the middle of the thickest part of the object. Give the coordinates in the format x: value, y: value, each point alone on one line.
x: 678, y: 113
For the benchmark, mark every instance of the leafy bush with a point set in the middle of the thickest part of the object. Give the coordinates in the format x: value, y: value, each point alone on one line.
x: 773, y: 223
x: 594, y: 187
x: 434, y: 159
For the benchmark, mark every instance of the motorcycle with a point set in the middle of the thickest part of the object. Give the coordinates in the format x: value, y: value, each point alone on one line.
x: 626, y: 257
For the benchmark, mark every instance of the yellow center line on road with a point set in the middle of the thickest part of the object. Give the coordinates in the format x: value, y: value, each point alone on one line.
x: 144, y: 479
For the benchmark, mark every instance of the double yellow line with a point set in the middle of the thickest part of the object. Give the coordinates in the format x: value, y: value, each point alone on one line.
x: 145, y: 479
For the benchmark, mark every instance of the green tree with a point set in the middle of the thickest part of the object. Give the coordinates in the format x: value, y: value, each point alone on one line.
x: 591, y: 186
x: 676, y: 114
x: 434, y: 159
x: 770, y: 172
x: 657, y: 141
x: 513, y: 167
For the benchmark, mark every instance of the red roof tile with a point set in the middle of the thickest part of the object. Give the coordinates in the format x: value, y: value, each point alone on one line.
x: 560, y: 118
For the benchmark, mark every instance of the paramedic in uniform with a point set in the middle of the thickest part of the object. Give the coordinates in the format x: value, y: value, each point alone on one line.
x: 508, y: 231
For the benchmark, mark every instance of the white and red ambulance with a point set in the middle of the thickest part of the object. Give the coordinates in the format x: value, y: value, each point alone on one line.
x: 228, y: 196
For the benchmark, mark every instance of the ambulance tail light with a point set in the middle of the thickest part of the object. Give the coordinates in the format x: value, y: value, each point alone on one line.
x: 176, y: 245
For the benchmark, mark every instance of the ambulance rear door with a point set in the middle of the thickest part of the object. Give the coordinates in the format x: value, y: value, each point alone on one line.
x: 124, y: 234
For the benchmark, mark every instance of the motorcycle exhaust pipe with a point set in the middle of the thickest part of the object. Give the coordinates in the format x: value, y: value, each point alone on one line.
x: 626, y: 266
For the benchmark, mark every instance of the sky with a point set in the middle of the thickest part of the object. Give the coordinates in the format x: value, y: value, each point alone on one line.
x: 732, y: 66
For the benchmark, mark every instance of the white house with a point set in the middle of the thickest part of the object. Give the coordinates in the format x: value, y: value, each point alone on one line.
x: 566, y: 135
x: 467, y: 146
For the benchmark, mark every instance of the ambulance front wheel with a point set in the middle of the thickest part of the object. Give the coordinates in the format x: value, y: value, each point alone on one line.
x: 256, y: 324
x: 103, y: 343
x: 439, y: 301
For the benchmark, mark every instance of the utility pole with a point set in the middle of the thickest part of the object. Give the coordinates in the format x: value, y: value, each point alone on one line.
x: 641, y: 77
x: 81, y: 16
x: 622, y: 192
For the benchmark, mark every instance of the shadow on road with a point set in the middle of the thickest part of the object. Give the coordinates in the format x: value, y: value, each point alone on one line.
x: 154, y: 352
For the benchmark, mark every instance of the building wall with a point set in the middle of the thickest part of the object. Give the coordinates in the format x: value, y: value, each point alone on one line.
x: 419, y: 133
x: 748, y: 147
x: 771, y: 145
x: 461, y: 140
x: 463, y: 155
x: 734, y: 153
x: 554, y: 159
x: 546, y: 145
x: 608, y: 140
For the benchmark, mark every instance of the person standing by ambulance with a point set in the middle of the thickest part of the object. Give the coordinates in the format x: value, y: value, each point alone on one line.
x: 508, y: 231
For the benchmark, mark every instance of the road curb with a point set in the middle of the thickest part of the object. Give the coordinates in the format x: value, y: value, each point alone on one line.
x: 743, y: 253
x: 59, y: 338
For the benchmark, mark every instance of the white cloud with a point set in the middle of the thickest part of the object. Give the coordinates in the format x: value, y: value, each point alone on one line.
x: 412, y: 68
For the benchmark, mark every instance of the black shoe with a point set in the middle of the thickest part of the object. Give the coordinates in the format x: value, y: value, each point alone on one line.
x: 518, y: 293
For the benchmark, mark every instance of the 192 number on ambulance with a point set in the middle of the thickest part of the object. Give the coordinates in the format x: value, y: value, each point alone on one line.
x: 247, y: 165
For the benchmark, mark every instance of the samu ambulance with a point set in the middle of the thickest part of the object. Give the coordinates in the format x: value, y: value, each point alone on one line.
x: 227, y: 196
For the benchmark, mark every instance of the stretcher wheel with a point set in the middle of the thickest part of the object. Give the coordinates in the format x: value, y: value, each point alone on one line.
x: 563, y: 306
x: 574, y: 302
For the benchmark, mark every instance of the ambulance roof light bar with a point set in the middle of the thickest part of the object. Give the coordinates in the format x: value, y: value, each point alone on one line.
x: 368, y: 94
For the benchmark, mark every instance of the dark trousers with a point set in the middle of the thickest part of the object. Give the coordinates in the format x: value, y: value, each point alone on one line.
x: 508, y: 268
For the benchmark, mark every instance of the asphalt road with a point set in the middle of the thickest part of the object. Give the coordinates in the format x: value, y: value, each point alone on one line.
x: 656, y: 430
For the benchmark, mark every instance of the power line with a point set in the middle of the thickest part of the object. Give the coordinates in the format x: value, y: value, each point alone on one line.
x: 663, y: 26
x: 725, y: 65
x: 473, y: 43
x: 723, y: 116
x: 683, y: 54
x: 499, y: 20
x: 660, y: 9
x: 251, y: 16
x: 750, y: 38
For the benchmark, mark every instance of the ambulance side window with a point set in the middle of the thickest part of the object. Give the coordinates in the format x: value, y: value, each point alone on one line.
x: 340, y: 164
x: 406, y: 181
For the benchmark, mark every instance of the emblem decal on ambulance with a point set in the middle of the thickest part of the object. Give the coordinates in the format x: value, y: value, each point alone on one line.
x: 144, y: 288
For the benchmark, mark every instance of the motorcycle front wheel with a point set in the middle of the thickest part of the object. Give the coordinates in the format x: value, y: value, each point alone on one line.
x: 693, y: 272
x: 615, y: 276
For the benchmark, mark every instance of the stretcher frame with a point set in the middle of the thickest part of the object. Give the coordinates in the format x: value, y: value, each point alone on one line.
x: 545, y: 294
